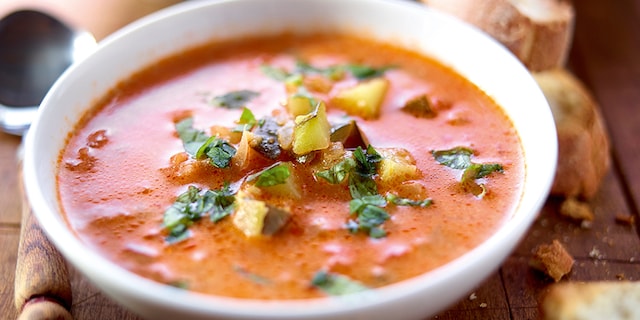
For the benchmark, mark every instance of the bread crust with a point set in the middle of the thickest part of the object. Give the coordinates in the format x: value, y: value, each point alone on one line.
x: 583, y: 142
x: 538, y: 32
x: 591, y: 300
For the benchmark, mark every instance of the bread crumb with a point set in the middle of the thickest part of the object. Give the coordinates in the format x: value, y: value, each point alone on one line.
x: 575, y: 209
x: 625, y: 219
x: 473, y: 296
x: 483, y: 305
x: 552, y: 259
x: 595, y: 254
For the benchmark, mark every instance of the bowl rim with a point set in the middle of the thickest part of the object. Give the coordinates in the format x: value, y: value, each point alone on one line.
x: 66, y: 241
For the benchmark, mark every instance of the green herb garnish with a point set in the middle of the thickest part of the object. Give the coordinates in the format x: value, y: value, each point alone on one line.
x: 192, y: 205
x: 234, y: 99
x: 460, y: 158
x: 274, y: 175
x: 335, y: 284
x: 339, y: 172
x: 399, y: 201
x: 246, y: 122
x: 335, y: 72
x: 370, y: 215
x: 188, y: 208
x: 278, y: 74
x: 192, y: 139
x: 218, y: 151
x: 362, y: 72
x: 250, y: 275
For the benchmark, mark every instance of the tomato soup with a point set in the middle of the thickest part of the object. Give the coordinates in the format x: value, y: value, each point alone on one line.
x: 290, y: 167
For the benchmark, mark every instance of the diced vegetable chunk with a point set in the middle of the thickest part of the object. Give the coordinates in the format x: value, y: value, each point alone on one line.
x: 255, y: 217
x: 280, y: 181
x: 275, y: 220
x: 349, y: 134
x: 249, y: 215
x: 397, y: 165
x: 419, y: 107
x: 312, y: 131
x: 299, y: 105
x: 242, y: 156
x: 364, y: 99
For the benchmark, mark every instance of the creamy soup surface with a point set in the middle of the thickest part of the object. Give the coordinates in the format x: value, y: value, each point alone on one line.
x: 317, y: 165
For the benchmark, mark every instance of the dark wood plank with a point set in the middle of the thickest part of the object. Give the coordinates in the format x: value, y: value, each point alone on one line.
x: 10, y: 213
x: 488, y: 301
x: 604, y: 239
x: 9, y: 238
x: 605, y: 55
x: 89, y: 301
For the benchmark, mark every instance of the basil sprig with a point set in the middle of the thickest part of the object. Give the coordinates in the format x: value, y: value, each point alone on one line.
x: 460, y: 158
x: 194, y: 204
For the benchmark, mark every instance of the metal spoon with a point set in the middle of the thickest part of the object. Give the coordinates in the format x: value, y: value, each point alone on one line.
x: 35, y: 49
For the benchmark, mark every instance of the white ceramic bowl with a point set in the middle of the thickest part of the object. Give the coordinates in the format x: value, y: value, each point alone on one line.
x: 480, y: 59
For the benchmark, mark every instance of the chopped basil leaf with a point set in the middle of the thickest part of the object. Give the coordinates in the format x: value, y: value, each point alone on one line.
x: 234, y: 99
x: 331, y: 72
x: 273, y: 175
x: 460, y: 158
x: 188, y: 207
x: 192, y: 139
x: 218, y: 151
x: 272, y: 72
x: 246, y: 122
x: 370, y: 215
x: 339, y: 172
x: 335, y: 72
x: 336, y: 284
x: 192, y: 205
x: 223, y: 202
x: 456, y: 158
x: 177, y: 234
x: 367, y: 163
x: 356, y: 205
x: 483, y: 170
x: 360, y: 186
x: 362, y: 72
x: 250, y: 275
x: 398, y: 201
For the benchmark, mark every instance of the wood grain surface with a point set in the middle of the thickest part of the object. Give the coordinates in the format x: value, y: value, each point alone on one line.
x: 604, y: 55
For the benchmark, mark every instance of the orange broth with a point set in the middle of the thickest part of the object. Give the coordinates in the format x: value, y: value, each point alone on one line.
x: 116, y: 177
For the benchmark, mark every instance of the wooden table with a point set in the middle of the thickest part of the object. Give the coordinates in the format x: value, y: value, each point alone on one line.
x: 606, y: 56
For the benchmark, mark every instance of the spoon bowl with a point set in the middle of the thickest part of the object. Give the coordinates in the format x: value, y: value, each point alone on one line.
x: 35, y: 49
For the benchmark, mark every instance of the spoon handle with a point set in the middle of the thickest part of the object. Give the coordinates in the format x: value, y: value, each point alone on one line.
x: 42, y: 286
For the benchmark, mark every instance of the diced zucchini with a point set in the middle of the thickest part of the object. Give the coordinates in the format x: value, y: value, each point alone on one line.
x: 397, y: 165
x: 290, y: 188
x: 312, y: 131
x: 364, y: 99
x: 266, y: 138
x: 249, y: 215
x: 299, y: 105
x: 255, y: 217
x: 349, y: 134
x: 275, y: 219
x: 419, y: 107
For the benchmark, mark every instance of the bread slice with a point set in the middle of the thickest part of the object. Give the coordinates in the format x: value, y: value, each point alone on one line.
x: 592, y: 301
x: 583, y: 142
x: 538, y: 32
